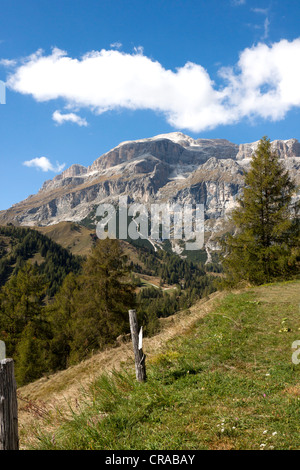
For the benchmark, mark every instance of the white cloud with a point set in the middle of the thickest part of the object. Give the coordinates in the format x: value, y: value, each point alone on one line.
x: 116, y: 45
x: 44, y: 164
x: 264, y: 11
x: 264, y: 83
x: 268, y: 82
x: 139, y: 50
x: 266, y: 28
x: 8, y: 62
x: 266, y: 25
x: 238, y: 2
x: 69, y: 117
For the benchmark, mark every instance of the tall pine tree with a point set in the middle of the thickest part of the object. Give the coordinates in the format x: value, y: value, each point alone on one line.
x: 266, y: 243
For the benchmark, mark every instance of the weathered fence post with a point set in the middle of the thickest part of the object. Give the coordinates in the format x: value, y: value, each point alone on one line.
x: 2, y: 350
x: 9, y: 438
x: 139, y: 356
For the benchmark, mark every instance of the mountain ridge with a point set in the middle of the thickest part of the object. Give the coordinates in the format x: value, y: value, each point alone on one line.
x: 172, y: 167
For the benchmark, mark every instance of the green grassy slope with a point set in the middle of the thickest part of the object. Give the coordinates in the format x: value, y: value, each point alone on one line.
x: 227, y: 382
x: 75, y: 238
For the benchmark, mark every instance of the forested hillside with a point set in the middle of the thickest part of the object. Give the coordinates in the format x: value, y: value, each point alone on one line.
x: 56, y: 309
x: 18, y: 245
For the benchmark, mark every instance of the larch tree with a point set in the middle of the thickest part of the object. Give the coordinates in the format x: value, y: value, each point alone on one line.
x: 106, y: 294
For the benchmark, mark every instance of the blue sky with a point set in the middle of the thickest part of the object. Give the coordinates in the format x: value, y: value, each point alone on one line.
x: 83, y: 76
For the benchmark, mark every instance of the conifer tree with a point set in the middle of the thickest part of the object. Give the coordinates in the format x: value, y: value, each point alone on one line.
x: 31, y: 354
x: 266, y: 243
x: 60, y: 314
x: 106, y: 295
x: 22, y: 325
x: 21, y: 301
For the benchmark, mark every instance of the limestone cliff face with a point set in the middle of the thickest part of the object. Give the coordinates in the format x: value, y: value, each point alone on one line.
x: 215, y: 184
x: 171, y: 167
x: 285, y: 148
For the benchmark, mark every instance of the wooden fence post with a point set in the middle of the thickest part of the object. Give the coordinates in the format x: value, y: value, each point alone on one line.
x: 9, y: 439
x: 139, y: 356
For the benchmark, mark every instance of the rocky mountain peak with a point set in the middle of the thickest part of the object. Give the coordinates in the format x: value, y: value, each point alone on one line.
x: 164, y: 167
